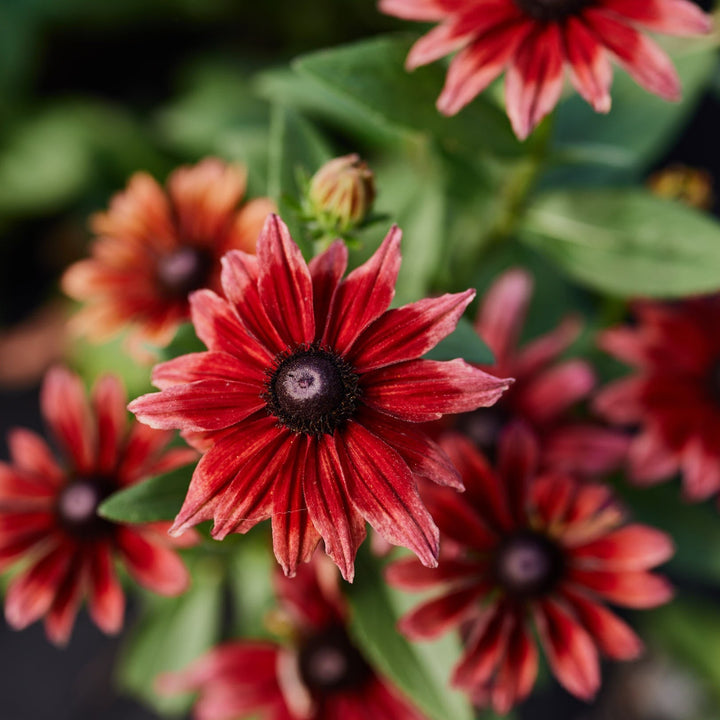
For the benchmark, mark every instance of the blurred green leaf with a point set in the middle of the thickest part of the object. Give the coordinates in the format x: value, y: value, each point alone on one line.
x: 626, y: 242
x: 158, y: 498
x: 420, y: 670
x: 294, y: 144
x: 463, y: 343
x: 173, y: 632
x: 371, y: 76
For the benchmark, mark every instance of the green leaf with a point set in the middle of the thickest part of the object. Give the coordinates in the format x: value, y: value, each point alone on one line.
x: 370, y: 75
x: 159, y: 498
x: 626, y: 242
x: 294, y: 144
x: 465, y: 343
x: 421, y: 670
x: 171, y: 634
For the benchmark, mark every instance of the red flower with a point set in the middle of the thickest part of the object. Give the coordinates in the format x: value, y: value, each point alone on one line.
x: 546, y: 390
x: 321, y: 675
x: 48, y: 513
x: 307, y: 400
x: 675, y: 395
x: 523, y: 554
x: 536, y: 39
x: 155, y: 247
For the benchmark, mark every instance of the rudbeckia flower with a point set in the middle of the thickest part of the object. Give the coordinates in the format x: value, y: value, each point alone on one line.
x: 535, y: 41
x: 309, y: 398
x: 155, y: 246
x: 48, y: 510
x: 528, y: 555
x: 674, y: 397
x: 319, y: 674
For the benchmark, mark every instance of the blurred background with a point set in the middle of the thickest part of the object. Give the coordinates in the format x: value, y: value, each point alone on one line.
x: 92, y: 92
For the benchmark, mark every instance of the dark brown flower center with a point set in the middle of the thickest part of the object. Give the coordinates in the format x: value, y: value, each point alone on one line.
x: 312, y: 390
x: 77, y: 506
x: 330, y: 663
x: 528, y: 564
x: 184, y: 270
x: 551, y: 10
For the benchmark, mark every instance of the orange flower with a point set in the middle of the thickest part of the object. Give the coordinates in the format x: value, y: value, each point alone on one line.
x: 155, y: 246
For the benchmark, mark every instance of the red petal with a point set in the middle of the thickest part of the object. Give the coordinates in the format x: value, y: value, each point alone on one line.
x: 201, y: 405
x: 65, y: 408
x: 518, y: 454
x: 435, y: 617
x: 614, y: 637
x: 701, y: 470
x: 650, y: 460
x: 591, y: 71
x: 422, y: 9
x: 143, y: 446
x: 621, y: 401
x: 633, y: 547
x: 673, y: 17
x: 218, y: 326
x: 383, y: 490
x: 240, y: 282
x: 284, y: 283
x: 641, y: 57
x: 534, y: 79
x: 569, y: 650
x: 220, y: 465
x: 326, y: 270
x: 364, y: 295
x: 408, y: 332
x: 109, y: 401
x: 546, y: 348
x: 502, y: 313
x: 381, y: 701
x: 31, y: 453
x: 634, y: 589
x: 409, y: 574
x: 106, y: 601
x: 423, y: 455
x: 424, y: 390
x: 61, y: 616
x: 155, y: 567
x: 294, y: 535
x: 517, y: 673
x: 585, y: 449
x: 551, y: 497
x: 206, y: 366
x: 341, y: 526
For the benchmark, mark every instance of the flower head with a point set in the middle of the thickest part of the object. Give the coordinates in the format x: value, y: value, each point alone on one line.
x: 308, y: 400
x: 674, y: 397
x: 524, y: 553
x: 319, y: 675
x: 546, y: 390
x: 535, y: 40
x: 48, y: 512
x: 156, y: 246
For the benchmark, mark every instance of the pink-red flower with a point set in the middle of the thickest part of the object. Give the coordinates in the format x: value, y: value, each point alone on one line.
x: 318, y: 675
x: 48, y: 511
x: 526, y: 555
x: 546, y: 391
x: 535, y: 41
x: 309, y: 398
x: 155, y: 246
x: 674, y: 397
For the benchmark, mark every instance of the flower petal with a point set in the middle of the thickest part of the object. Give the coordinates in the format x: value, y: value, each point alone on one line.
x: 630, y: 588
x: 326, y: 270
x: 633, y: 547
x: 408, y: 332
x: 205, y: 366
x: 383, y: 491
x: 29, y: 452
x: 284, y: 283
x: 673, y: 17
x: 109, y: 401
x: 106, y: 601
x: 424, y: 390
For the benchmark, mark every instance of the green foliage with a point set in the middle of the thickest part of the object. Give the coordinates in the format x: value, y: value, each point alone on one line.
x: 465, y: 343
x: 626, y: 242
x: 421, y: 670
x: 158, y: 498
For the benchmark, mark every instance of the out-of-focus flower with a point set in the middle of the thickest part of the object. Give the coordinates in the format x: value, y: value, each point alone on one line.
x: 156, y: 246
x: 691, y: 186
x: 320, y: 675
x: 308, y: 401
x: 546, y: 389
x: 674, y: 397
x: 48, y: 512
x: 536, y: 40
x: 340, y: 194
x: 526, y: 554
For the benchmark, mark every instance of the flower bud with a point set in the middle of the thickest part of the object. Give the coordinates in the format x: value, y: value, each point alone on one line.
x: 341, y: 193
